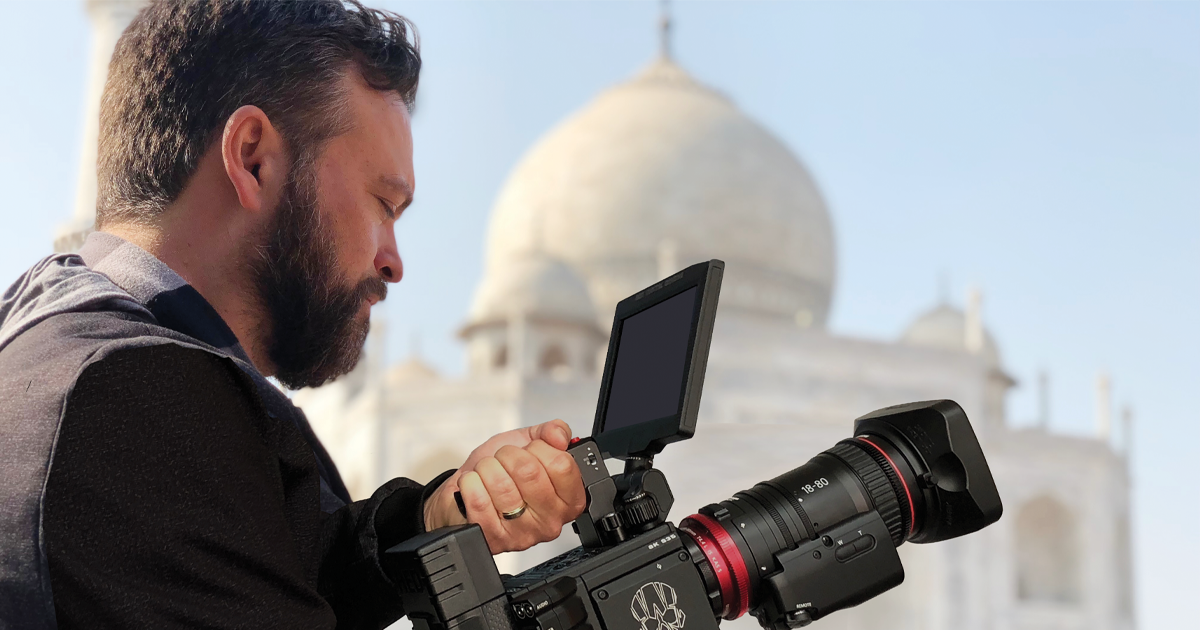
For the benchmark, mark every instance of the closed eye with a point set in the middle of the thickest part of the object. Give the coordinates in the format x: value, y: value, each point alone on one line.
x: 387, y: 208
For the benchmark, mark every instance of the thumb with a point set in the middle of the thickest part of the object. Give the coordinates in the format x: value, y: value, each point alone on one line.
x: 556, y: 433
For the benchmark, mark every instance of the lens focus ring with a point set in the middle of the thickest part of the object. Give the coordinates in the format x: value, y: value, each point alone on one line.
x: 882, y: 493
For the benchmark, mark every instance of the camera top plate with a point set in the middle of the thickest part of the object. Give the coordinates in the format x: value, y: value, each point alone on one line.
x: 657, y: 354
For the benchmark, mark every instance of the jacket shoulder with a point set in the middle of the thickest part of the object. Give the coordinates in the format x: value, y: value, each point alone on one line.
x: 63, y: 345
x: 38, y: 370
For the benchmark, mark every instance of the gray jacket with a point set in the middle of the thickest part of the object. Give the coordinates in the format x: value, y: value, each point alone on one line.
x: 65, y: 313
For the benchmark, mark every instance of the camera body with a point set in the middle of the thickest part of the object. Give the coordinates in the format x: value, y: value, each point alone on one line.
x: 790, y: 550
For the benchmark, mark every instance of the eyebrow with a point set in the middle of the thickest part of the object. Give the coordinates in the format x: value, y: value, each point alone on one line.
x: 398, y: 184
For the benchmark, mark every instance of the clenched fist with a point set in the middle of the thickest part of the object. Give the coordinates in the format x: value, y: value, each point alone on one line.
x: 525, y: 467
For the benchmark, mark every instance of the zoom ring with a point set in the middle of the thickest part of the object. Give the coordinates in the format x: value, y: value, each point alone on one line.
x: 883, y: 495
x: 893, y: 476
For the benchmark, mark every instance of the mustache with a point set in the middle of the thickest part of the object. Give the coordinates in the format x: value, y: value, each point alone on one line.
x: 371, y: 287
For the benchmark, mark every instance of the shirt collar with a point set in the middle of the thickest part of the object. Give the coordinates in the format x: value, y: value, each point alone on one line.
x: 172, y: 301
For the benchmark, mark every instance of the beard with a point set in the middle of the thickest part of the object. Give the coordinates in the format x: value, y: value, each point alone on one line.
x: 314, y: 334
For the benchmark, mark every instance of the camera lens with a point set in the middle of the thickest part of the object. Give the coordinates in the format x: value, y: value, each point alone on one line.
x: 738, y: 538
x: 918, y: 466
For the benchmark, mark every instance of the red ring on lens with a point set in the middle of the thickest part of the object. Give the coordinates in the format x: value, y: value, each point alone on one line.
x: 712, y: 551
x: 912, y: 510
x: 726, y: 561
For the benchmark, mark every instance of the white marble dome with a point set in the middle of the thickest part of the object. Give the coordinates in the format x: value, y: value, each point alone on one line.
x: 945, y: 328
x: 532, y: 284
x: 413, y: 371
x: 661, y: 164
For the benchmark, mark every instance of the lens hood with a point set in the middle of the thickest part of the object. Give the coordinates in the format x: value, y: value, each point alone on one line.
x: 959, y: 494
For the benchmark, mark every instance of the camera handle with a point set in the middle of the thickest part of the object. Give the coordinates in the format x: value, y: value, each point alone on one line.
x: 619, y: 506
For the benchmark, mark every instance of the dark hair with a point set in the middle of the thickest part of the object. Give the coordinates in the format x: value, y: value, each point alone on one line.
x: 183, y: 67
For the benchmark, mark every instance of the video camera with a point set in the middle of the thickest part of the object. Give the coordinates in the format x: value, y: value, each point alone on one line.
x: 791, y: 550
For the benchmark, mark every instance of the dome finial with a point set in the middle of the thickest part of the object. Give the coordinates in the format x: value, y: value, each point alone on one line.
x: 664, y: 29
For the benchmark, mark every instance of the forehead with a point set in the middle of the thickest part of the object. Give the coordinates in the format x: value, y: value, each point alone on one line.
x: 379, y: 139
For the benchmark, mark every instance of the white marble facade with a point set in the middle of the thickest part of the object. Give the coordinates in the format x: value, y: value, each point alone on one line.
x: 661, y: 172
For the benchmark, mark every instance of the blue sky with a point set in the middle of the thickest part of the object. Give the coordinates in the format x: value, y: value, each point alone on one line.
x: 1048, y: 153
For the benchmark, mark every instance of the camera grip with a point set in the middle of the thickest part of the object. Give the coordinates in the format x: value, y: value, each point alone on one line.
x: 587, y: 457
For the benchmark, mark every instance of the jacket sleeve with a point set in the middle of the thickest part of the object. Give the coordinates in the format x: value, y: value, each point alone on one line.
x: 173, y: 502
x: 352, y: 579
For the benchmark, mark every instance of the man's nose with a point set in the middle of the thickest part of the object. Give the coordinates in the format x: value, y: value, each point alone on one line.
x: 387, y: 260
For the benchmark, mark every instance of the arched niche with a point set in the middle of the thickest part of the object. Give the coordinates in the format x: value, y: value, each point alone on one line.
x: 552, y: 358
x: 1048, y: 552
x: 500, y: 358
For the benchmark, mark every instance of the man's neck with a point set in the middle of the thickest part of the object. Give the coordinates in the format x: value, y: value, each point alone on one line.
x: 218, y: 270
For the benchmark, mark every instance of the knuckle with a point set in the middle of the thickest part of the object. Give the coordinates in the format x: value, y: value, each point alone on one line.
x: 526, y: 470
x: 562, y: 465
x: 498, y: 481
x: 504, y: 485
x: 508, y: 451
x: 478, y: 501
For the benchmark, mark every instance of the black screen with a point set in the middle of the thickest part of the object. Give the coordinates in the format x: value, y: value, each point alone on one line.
x: 647, y: 380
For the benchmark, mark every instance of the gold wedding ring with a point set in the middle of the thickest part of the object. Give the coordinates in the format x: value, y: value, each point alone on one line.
x: 508, y: 516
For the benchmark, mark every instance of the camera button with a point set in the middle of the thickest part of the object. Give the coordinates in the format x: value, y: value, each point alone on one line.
x: 855, y: 548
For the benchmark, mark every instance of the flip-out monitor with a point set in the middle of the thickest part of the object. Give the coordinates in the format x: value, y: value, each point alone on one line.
x: 650, y: 392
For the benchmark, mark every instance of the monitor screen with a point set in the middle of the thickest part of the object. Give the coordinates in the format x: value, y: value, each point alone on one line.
x: 651, y: 362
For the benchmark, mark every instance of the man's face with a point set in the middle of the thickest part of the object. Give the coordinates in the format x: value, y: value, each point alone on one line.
x: 330, y: 248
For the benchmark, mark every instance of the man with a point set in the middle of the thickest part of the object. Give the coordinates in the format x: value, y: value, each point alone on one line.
x: 253, y: 159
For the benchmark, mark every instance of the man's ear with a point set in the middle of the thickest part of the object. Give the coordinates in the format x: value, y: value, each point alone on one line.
x: 255, y: 158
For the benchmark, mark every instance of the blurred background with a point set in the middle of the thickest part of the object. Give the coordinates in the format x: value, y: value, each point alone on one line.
x: 993, y: 202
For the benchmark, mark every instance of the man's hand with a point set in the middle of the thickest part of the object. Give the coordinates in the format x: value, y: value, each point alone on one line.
x: 527, y: 467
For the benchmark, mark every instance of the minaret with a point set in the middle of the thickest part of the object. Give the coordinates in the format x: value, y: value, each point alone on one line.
x: 974, y: 327
x: 1044, y: 400
x: 109, y: 19
x: 1103, y: 406
x: 1127, y: 430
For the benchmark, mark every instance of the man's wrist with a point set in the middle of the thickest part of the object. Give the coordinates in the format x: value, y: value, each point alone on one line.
x: 426, y: 508
x: 400, y: 514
